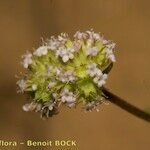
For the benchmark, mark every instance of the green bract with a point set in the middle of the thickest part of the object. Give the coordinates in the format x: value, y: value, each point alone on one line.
x: 69, y: 71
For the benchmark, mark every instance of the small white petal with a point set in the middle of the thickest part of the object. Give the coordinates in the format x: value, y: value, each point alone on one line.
x: 95, y: 80
x: 43, y: 50
x: 50, y: 107
x: 27, y: 60
x: 91, y: 73
x: 101, y: 83
x: 71, y: 56
x: 71, y: 50
x: 96, y: 36
x: 99, y: 72
x: 65, y: 58
x: 26, y: 107
x: 25, y: 65
x: 34, y: 87
x: 105, y: 76
x: 22, y: 84
x: 112, y: 58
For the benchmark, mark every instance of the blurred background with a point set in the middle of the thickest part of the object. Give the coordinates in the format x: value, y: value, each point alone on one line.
x: 126, y: 22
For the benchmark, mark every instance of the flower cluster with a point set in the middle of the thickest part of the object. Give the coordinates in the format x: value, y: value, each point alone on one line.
x: 65, y: 53
x: 99, y: 77
x: 68, y: 76
x: 67, y: 71
x: 109, y: 52
x: 68, y: 97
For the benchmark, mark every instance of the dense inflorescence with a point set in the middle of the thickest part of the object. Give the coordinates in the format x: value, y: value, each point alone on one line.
x: 67, y: 71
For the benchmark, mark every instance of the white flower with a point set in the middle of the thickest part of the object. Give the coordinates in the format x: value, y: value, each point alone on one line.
x: 98, y: 72
x: 34, y: 87
x: 63, y: 37
x: 92, y: 51
x: 65, y: 58
x: 112, y: 58
x: 76, y: 46
x: 26, y: 107
x: 61, y: 51
x: 71, y: 50
x: 104, y: 41
x: 22, y: 85
x: 67, y: 96
x: 99, y: 77
x: 65, y: 53
x: 93, y: 36
x: 110, y: 55
x: 79, y: 35
x: 92, y: 69
x: 111, y: 45
x: 42, y: 50
x: 29, y: 107
x: 53, y: 43
x: 32, y: 106
x: 60, y: 75
x: 100, y: 80
x: 109, y: 51
x: 96, y: 36
x: 27, y: 60
x: 68, y: 76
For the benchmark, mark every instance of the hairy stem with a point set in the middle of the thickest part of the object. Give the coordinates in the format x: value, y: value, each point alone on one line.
x: 126, y: 106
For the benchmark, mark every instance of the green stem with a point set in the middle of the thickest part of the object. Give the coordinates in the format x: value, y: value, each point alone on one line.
x: 126, y: 106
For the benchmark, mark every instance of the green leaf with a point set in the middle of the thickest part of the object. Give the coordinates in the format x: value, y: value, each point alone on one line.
x: 42, y: 95
x: 68, y: 43
x: 87, y: 87
x: 100, y: 58
x: 81, y: 72
x: 99, y: 45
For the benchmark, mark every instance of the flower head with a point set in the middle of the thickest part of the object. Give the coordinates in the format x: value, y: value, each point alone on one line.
x: 67, y: 71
